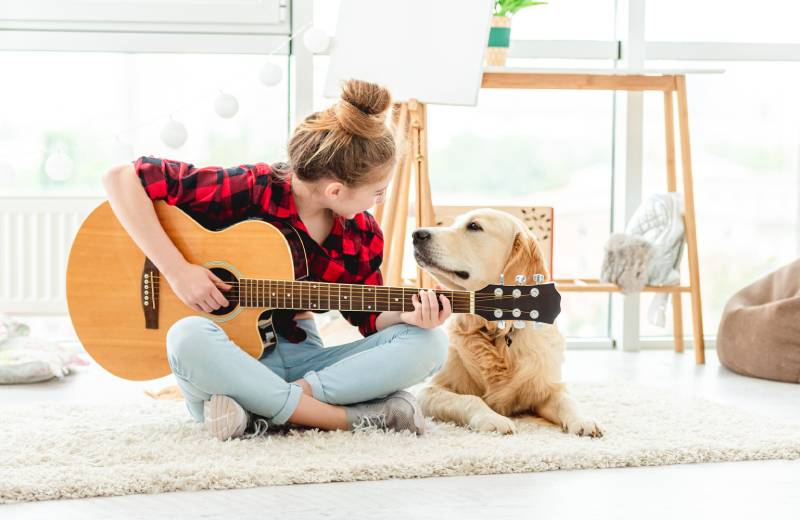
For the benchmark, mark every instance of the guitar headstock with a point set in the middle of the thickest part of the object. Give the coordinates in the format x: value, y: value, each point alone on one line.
x: 539, y: 303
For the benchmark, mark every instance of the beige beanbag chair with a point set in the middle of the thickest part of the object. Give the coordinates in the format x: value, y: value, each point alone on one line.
x: 759, y: 333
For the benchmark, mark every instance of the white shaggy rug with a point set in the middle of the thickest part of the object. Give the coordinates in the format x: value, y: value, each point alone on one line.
x: 50, y: 451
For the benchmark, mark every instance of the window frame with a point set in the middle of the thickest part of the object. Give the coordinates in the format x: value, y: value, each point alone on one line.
x: 630, y: 49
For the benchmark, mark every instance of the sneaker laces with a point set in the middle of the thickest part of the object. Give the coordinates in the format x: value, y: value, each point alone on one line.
x: 261, y: 427
x: 371, y: 422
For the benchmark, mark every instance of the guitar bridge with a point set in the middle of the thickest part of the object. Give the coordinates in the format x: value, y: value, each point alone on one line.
x: 149, y: 294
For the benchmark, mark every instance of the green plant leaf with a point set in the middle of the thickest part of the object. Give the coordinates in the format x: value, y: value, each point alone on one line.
x: 510, y: 7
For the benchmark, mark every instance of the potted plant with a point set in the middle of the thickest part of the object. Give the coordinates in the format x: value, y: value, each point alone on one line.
x: 500, y: 33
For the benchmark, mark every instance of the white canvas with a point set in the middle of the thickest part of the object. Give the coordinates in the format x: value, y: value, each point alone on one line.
x: 431, y: 51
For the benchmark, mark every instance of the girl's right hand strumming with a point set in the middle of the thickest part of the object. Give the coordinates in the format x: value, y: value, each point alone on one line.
x: 198, y: 287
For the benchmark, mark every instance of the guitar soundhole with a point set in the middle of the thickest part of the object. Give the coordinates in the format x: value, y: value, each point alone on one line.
x: 230, y: 295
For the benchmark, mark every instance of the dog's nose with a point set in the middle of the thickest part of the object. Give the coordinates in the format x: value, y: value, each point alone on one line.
x: 420, y: 235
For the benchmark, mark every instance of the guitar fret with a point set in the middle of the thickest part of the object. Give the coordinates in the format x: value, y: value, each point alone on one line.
x: 284, y: 294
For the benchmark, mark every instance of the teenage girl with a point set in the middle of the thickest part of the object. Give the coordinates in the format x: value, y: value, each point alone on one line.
x: 340, y: 163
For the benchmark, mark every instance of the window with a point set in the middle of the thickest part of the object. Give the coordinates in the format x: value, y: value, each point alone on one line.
x: 106, y: 108
x: 768, y: 21
x: 745, y: 136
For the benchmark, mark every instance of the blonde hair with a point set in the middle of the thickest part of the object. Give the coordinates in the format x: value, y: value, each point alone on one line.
x: 346, y: 141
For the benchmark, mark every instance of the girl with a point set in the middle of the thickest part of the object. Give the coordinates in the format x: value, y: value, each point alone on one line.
x: 340, y: 164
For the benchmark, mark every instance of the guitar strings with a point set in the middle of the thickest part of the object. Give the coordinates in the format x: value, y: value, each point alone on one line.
x: 383, y: 295
x: 380, y: 291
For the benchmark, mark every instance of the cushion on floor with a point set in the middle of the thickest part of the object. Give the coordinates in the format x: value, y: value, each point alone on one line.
x: 759, y: 333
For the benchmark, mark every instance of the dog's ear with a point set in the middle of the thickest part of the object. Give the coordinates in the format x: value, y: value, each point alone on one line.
x: 526, y: 258
x: 468, y: 324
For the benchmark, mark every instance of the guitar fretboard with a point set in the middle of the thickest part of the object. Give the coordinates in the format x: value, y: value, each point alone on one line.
x: 280, y: 294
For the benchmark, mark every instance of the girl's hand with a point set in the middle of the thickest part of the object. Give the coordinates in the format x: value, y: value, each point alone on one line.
x: 426, y: 313
x: 198, y: 288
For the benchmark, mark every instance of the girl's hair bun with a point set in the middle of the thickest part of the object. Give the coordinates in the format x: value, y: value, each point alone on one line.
x: 348, y: 140
x: 361, y: 111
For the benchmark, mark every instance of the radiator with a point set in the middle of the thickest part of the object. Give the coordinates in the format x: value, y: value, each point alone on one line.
x: 35, y: 237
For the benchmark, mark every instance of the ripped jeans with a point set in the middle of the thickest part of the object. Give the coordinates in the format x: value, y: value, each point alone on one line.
x: 205, y: 361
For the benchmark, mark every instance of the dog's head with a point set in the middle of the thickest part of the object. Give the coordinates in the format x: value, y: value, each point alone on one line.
x: 477, y: 248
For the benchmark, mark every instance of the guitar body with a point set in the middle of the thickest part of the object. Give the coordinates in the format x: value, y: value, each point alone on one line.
x: 107, y: 275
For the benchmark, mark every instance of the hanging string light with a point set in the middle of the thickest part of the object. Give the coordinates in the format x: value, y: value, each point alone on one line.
x: 59, y: 166
x: 122, y: 151
x: 226, y: 106
x: 316, y: 41
x: 270, y: 74
x: 174, y: 134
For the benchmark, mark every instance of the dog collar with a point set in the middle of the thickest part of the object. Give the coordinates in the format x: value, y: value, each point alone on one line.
x: 507, y: 336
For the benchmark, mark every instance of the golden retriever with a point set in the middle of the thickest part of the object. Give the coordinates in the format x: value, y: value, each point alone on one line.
x: 485, y: 380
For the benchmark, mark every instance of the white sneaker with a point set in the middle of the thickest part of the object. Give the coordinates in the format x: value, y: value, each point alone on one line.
x: 398, y: 411
x: 224, y: 417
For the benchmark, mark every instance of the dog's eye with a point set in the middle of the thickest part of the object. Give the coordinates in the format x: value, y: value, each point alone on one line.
x: 474, y: 226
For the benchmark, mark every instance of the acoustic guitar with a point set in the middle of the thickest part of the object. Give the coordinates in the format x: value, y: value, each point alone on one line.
x: 121, y: 308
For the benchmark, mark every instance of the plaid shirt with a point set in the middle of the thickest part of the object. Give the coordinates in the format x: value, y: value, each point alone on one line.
x: 218, y: 197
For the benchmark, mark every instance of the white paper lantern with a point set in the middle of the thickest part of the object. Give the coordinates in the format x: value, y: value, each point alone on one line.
x: 7, y: 172
x: 122, y: 151
x: 270, y: 74
x: 174, y: 134
x: 316, y: 40
x: 226, y: 105
x: 59, y: 166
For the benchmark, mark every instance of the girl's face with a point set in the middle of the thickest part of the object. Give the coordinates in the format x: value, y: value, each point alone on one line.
x: 348, y: 202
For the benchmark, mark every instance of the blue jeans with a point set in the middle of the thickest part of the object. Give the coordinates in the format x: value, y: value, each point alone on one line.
x: 205, y: 361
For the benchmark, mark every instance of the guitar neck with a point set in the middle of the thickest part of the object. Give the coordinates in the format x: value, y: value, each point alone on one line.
x: 280, y: 294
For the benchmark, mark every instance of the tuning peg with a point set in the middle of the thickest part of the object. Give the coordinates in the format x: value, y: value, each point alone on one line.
x: 502, y: 279
x: 501, y: 324
x: 538, y: 325
x: 538, y: 278
x: 534, y: 314
x: 520, y: 279
x: 519, y: 324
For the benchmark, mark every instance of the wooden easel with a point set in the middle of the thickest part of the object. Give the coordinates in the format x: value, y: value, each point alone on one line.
x: 409, y: 124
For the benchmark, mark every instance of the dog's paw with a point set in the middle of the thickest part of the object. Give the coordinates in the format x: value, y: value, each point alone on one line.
x: 493, y: 422
x: 582, y: 427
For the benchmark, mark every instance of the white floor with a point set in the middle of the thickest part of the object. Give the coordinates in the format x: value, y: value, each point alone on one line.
x: 769, y: 489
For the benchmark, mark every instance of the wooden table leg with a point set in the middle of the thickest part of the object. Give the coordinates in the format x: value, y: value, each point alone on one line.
x: 672, y: 186
x: 691, y: 230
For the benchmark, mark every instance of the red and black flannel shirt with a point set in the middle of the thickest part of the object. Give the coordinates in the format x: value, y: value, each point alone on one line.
x: 218, y: 197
